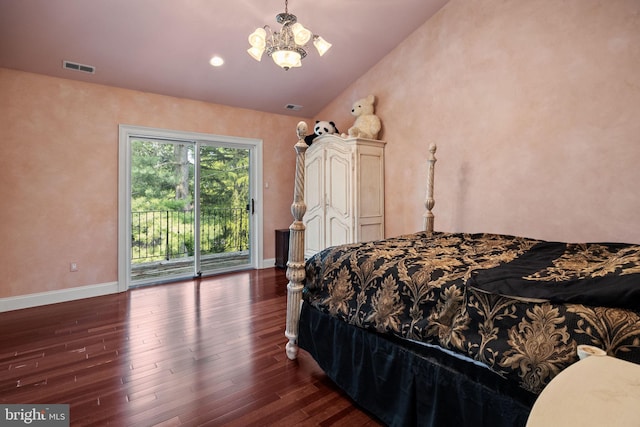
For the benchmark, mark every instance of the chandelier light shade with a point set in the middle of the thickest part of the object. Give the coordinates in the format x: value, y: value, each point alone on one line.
x: 286, y: 47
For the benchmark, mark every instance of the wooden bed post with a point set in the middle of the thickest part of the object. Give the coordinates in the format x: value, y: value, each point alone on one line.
x: 430, y: 201
x: 295, y: 264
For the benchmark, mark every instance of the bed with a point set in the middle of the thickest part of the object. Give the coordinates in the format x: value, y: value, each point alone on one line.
x: 455, y: 329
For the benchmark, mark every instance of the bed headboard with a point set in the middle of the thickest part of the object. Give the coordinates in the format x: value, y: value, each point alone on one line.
x: 295, y: 264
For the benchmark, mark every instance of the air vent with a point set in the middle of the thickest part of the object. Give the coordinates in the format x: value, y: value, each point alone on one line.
x: 293, y: 107
x: 78, y: 67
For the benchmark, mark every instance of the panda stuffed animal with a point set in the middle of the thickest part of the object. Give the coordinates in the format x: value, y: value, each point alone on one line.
x: 322, y: 127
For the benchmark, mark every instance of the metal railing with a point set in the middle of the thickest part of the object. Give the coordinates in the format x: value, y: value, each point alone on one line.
x: 167, y: 235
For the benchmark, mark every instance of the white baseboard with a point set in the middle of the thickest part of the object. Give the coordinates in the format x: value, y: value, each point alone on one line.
x: 63, y: 295
x: 268, y: 263
x: 53, y: 297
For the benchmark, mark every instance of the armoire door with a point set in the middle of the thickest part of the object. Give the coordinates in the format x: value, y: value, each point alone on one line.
x: 314, y: 218
x: 338, y: 209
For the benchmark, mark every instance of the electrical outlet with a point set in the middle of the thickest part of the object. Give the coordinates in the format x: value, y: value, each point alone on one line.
x: 73, y: 267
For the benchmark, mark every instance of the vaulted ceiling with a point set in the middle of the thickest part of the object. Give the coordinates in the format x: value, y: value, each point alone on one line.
x: 164, y: 46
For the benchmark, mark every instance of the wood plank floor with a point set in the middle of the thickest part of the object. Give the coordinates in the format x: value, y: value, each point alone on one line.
x: 206, y: 352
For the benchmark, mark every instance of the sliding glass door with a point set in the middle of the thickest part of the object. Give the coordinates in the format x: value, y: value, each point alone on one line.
x: 162, y: 209
x: 191, y: 207
x: 224, y: 208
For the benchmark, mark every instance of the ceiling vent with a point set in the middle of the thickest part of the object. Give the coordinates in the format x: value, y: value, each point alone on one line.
x: 78, y: 67
x: 293, y: 107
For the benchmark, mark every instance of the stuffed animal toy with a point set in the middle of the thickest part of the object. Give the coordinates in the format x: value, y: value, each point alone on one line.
x: 367, y: 124
x: 322, y: 127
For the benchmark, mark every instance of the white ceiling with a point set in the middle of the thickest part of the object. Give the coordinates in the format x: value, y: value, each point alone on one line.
x: 164, y: 46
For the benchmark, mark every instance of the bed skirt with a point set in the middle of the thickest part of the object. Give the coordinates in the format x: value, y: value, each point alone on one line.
x: 405, y: 384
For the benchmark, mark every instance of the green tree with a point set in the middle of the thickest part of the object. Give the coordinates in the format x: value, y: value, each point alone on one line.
x: 224, y: 179
x: 162, y: 181
x: 160, y: 176
x: 224, y: 175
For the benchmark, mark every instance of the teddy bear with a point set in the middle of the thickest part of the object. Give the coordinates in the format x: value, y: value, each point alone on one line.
x: 322, y: 127
x: 367, y: 124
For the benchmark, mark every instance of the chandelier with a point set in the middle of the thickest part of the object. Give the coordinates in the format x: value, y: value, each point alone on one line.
x: 286, y: 47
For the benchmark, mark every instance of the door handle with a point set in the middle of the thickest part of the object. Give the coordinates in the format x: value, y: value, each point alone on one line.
x: 251, y: 207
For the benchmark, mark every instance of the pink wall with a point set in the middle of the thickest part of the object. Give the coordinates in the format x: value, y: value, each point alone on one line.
x: 59, y: 173
x: 535, y: 107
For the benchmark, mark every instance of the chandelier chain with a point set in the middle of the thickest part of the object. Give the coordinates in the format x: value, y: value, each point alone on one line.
x: 286, y: 6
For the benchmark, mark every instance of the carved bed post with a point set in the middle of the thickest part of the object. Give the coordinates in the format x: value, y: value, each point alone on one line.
x: 295, y: 264
x: 430, y: 201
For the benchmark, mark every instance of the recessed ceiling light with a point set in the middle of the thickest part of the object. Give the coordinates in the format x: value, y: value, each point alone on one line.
x: 216, y: 61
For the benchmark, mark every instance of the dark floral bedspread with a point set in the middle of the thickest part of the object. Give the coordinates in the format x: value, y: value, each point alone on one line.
x: 520, y: 306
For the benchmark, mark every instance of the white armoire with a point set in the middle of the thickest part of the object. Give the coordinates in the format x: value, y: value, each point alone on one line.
x: 344, y: 192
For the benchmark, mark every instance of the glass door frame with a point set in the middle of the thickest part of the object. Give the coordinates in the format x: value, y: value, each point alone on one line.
x: 127, y: 132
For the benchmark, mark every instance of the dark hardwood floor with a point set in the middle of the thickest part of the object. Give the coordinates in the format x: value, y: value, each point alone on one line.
x: 200, y: 353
